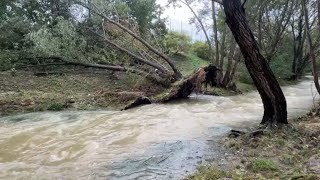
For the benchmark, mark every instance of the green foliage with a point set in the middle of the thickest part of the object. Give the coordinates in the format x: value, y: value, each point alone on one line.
x: 287, y: 159
x: 178, y: 43
x: 263, y: 165
x: 8, y: 59
x: 282, y: 62
x: 13, y: 31
x: 243, y: 75
x: 144, y: 12
x: 59, y: 40
x: 187, y: 64
x: 201, y: 49
x: 56, y: 107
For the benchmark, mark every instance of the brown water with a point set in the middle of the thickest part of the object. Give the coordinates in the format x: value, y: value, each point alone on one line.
x: 150, y: 142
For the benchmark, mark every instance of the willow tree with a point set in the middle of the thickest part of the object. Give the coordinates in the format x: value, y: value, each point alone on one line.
x: 274, y: 102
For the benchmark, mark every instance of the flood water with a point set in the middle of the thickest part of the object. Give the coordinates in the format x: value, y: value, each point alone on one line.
x: 151, y: 142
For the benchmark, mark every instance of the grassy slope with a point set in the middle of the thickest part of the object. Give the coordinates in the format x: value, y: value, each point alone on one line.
x: 27, y: 93
x: 189, y: 63
x: 283, y: 153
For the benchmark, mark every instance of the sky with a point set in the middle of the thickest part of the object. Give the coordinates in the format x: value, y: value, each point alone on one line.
x: 178, y: 20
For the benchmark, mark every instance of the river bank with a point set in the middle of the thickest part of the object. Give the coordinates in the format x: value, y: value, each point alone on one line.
x: 288, y: 152
x: 160, y: 141
x: 25, y: 92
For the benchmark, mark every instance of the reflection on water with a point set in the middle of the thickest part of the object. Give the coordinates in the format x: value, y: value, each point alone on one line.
x: 154, y: 141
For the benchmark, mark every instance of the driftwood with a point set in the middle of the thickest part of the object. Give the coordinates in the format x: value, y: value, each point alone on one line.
x: 138, y: 102
x: 181, y: 89
x: 194, y: 83
x: 65, y: 62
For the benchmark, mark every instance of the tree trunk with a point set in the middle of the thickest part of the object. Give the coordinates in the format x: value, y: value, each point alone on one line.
x: 202, y: 27
x: 318, y: 2
x: 227, y: 75
x: 274, y: 102
x: 312, y: 54
x: 215, y: 33
x: 223, y: 48
x: 177, y: 73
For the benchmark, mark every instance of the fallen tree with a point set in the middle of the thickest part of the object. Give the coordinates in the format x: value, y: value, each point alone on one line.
x: 178, y: 89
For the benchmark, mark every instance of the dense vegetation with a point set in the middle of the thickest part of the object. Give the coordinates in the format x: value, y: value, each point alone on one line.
x: 32, y: 32
x: 89, y: 54
x: 130, y: 37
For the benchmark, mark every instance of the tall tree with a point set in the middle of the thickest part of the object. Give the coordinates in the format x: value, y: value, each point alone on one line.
x: 201, y: 24
x: 311, y: 47
x: 274, y: 102
x: 144, y: 13
x: 215, y: 34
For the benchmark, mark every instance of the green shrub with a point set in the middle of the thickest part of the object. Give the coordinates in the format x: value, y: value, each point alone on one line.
x: 178, y: 43
x: 56, y: 107
x: 263, y: 165
x: 201, y: 49
x: 62, y: 39
x: 287, y: 159
x: 206, y: 172
x: 7, y: 60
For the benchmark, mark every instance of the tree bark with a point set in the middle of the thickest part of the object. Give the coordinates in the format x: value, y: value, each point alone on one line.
x: 215, y: 33
x: 311, y: 48
x: 227, y: 75
x: 318, y: 4
x: 274, y: 102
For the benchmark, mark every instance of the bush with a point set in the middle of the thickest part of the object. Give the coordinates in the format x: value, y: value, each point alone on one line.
x: 201, y: 49
x: 56, y: 107
x: 8, y: 60
x: 287, y: 159
x: 263, y: 165
x: 178, y: 43
x: 60, y: 40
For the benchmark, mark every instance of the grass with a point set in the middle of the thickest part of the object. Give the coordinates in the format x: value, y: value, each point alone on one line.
x: 22, y: 92
x: 56, y: 107
x: 25, y: 92
x: 263, y: 165
x: 280, y: 153
x: 207, y: 172
x: 189, y: 63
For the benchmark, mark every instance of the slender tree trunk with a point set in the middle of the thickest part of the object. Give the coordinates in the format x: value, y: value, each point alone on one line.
x: 312, y: 54
x: 177, y: 74
x: 318, y: 2
x: 215, y: 33
x: 202, y: 27
x: 260, y: 27
x: 223, y: 48
x: 226, y: 77
x: 274, y: 102
x: 235, y: 65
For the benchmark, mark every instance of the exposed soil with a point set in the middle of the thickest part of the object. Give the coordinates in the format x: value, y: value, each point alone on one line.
x: 25, y: 92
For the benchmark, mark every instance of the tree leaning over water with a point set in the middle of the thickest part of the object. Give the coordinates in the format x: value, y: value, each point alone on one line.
x: 274, y: 102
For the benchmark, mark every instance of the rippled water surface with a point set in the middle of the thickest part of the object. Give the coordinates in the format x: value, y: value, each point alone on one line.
x: 150, y: 142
